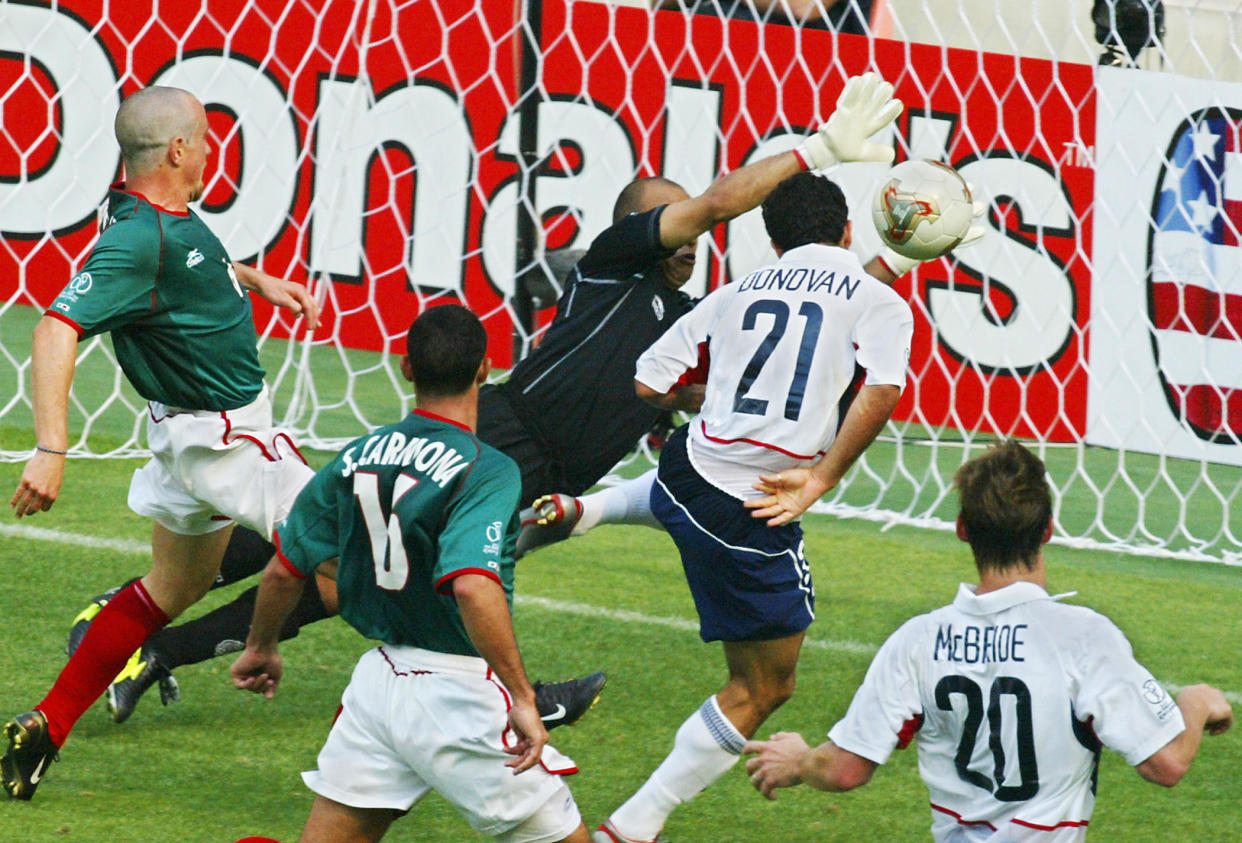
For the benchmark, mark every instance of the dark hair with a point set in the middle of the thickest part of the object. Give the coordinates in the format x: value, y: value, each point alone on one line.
x: 1006, y: 505
x: 805, y: 208
x: 633, y: 195
x: 446, y: 344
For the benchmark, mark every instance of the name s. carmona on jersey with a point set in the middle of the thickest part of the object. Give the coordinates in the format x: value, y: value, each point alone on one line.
x: 431, y: 457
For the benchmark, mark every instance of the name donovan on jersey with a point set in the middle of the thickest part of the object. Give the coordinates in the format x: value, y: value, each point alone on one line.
x: 979, y: 644
x: 433, y: 458
x: 793, y: 278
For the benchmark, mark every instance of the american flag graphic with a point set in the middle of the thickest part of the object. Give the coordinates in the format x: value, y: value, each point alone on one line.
x: 1195, y: 288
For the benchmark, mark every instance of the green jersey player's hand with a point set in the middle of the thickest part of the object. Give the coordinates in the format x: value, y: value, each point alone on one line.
x: 531, y: 733
x: 287, y: 294
x: 259, y: 671
x: 53, y: 355
x: 865, y: 106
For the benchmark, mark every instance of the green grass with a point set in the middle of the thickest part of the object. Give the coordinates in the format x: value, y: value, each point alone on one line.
x: 223, y: 765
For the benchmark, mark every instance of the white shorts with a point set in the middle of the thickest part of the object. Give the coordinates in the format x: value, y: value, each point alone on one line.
x: 208, y: 469
x: 413, y: 721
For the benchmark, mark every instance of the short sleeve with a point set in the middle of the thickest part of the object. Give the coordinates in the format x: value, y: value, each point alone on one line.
x: 116, y: 286
x: 481, y: 524
x: 662, y: 366
x: 887, y: 708
x: 883, y: 335
x: 311, y: 534
x: 1131, y: 712
x: 630, y: 245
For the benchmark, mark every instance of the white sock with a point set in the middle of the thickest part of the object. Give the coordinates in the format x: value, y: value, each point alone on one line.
x: 624, y: 503
x: 707, y: 745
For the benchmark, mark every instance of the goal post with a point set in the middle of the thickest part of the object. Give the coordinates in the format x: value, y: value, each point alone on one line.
x: 394, y: 155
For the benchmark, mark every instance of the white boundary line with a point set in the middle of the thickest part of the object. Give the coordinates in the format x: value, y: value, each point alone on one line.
x: 858, y: 648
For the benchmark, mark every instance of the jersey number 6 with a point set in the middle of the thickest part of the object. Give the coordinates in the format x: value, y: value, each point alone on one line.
x: 392, y: 566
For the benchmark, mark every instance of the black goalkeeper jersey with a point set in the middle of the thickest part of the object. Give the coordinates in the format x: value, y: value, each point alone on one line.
x: 575, y: 391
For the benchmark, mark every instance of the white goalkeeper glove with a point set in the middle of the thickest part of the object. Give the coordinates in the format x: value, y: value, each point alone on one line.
x: 865, y: 107
x: 900, y: 264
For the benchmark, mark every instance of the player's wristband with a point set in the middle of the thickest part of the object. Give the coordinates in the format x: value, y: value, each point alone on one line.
x: 50, y: 450
x: 814, y: 153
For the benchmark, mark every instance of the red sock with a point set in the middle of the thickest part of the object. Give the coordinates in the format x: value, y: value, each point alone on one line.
x: 118, y: 630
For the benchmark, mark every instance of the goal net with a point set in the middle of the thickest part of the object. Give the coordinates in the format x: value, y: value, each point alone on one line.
x: 395, y: 154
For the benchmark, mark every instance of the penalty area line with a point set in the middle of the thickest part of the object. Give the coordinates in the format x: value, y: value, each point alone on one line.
x: 137, y: 548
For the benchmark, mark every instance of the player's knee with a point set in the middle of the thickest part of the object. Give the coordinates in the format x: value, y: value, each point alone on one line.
x: 772, y: 693
x: 780, y: 692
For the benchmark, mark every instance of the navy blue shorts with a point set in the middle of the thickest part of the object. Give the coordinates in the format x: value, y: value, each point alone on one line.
x: 750, y: 581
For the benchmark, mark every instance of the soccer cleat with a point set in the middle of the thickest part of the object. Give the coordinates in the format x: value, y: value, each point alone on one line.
x: 550, y: 519
x: 83, y: 619
x: 607, y: 833
x: 565, y: 703
x: 29, y: 752
x: 143, y: 670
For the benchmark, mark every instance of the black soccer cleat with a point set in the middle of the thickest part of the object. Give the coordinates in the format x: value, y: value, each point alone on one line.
x: 143, y: 670
x: 550, y: 519
x: 82, y: 621
x: 30, y: 751
x: 565, y: 703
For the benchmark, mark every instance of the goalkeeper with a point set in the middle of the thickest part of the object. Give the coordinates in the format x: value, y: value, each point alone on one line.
x: 568, y: 412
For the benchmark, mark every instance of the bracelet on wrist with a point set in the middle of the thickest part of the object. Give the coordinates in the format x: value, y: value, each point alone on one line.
x: 50, y: 450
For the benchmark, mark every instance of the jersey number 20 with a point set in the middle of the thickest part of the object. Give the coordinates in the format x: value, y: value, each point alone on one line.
x: 1002, y: 686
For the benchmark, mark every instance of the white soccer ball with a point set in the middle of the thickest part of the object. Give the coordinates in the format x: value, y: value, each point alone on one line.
x: 923, y: 210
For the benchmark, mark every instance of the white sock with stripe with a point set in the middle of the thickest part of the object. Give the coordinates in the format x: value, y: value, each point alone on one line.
x: 707, y: 745
x: 625, y: 503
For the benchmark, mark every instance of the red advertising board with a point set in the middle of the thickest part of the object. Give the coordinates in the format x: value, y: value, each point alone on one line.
x: 1026, y: 125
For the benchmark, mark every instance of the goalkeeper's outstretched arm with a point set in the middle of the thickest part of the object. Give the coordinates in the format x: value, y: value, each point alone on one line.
x: 865, y: 107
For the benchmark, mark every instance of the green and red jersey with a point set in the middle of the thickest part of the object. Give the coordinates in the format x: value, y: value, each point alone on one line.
x: 406, y: 509
x: 162, y: 284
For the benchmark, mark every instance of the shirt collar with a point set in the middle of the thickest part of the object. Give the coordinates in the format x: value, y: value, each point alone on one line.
x: 1003, y: 598
x: 438, y: 418
x: 821, y: 251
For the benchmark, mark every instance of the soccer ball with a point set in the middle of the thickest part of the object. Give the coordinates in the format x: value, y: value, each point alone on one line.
x: 923, y: 210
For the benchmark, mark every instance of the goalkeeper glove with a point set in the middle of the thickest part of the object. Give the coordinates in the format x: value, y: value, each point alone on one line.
x: 865, y: 107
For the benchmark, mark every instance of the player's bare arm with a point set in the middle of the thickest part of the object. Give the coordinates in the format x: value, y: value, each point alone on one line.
x: 259, y: 668
x: 53, y: 357
x: 687, y: 397
x: 1204, y: 709
x: 280, y: 292
x: 790, y: 493
x: 865, y: 106
x: 785, y: 760
x: 485, y: 613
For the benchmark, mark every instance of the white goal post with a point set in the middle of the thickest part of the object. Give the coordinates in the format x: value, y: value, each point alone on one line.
x: 393, y: 154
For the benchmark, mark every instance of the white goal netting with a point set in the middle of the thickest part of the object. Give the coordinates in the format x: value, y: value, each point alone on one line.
x: 392, y: 153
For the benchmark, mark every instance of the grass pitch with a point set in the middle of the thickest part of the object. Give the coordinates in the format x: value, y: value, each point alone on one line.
x: 223, y: 765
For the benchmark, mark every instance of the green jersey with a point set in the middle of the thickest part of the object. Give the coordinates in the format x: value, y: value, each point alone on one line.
x: 164, y: 287
x: 405, y: 510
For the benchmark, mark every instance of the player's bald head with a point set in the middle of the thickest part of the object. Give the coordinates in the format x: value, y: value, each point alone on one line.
x: 149, y: 119
x: 1006, y: 506
x: 644, y: 194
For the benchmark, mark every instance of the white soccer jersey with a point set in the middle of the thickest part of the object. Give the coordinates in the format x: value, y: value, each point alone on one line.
x: 782, y: 343
x: 1010, y: 694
